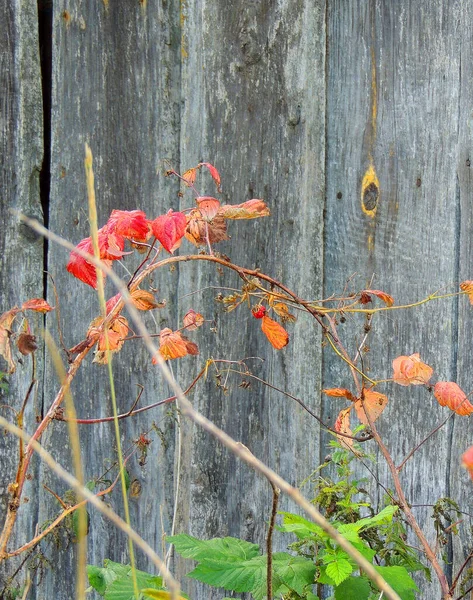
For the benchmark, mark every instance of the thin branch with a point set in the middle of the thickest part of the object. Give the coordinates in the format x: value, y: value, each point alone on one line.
x: 269, y: 540
x: 414, y: 450
x: 102, y: 507
x: 188, y: 410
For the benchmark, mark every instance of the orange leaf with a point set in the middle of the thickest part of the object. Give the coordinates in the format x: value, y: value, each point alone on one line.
x: 373, y: 403
x: 342, y: 425
x: 467, y: 286
x: 467, y: 461
x: 451, y: 395
x: 339, y: 393
x: 131, y: 224
x: 275, y: 332
x: 37, y: 304
x: 251, y: 209
x: 410, y: 370
x: 189, y: 177
x: 192, y: 320
x: 170, y: 229
x: 171, y: 345
x: 213, y: 172
x: 386, y: 298
x: 208, y: 207
x: 143, y: 300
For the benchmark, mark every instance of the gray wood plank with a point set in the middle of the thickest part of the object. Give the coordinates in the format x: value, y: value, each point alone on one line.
x: 115, y: 86
x: 394, y: 86
x: 253, y: 105
x: 21, y: 252
x: 460, y: 485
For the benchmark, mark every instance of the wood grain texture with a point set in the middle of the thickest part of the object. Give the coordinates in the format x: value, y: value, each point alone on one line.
x: 394, y: 84
x: 21, y: 252
x: 352, y: 120
x: 116, y: 87
x: 253, y: 105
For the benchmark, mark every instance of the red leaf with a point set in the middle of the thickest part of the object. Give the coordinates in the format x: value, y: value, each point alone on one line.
x: 275, y: 332
x: 131, y: 224
x: 386, y: 298
x: 373, y: 403
x: 80, y: 267
x: 213, y: 172
x: 170, y: 229
x: 37, y: 304
x: 340, y: 393
x: 410, y: 370
x: 111, y: 244
x: 112, y: 302
x: 451, y: 395
x: 251, y: 209
x: 208, y: 207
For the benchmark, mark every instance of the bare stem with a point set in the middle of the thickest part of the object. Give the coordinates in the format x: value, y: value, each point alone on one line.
x: 269, y: 540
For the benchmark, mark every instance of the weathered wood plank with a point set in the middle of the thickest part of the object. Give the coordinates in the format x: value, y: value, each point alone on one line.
x: 253, y: 105
x: 393, y: 105
x: 21, y: 252
x: 115, y: 86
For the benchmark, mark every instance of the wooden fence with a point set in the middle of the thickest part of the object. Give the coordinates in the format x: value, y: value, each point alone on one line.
x: 353, y: 120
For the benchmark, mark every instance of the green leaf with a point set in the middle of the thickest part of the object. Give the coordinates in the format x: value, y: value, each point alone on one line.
x: 226, y: 549
x: 159, y: 594
x: 382, y: 518
x: 241, y: 576
x: 353, y: 588
x: 400, y: 580
x: 300, y: 526
x: 296, y: 572
x: 123, y: 588
x: 101, y: 577
x: 338, y: 570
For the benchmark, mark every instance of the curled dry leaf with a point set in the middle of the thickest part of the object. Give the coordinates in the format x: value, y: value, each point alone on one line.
x: 410, y: 370
x: 282, y: 310
x: 197, y: 228
x: 37, y: 304
x: 192, y: 320
x: 6, y: 321
x: 467, y: 461
x: 143, y: 300
x: 366, y: 297
x: 342, y: 425
x: 467, y: 286
x: 169, y: 229
x: 26, y: 343
x: 339, y: 393
x: 451, y: 395
x: 275, y: 332
x: 251, y: 209
x: 131, y: 224
x: 373, y: 403
x: 112, y: 340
